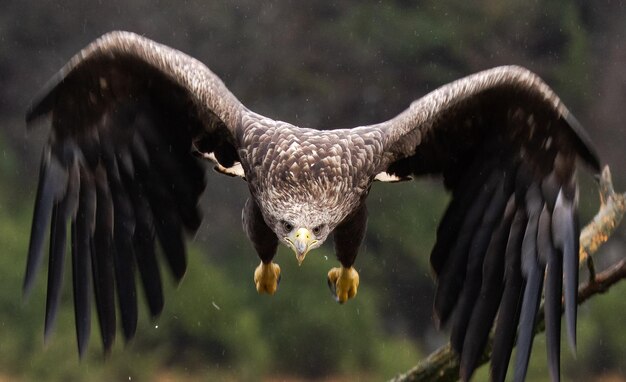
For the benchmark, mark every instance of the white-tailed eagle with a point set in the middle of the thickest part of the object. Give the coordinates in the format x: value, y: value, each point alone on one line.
x: 133, y: 119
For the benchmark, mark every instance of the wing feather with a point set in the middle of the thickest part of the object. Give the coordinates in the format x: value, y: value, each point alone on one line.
x: 52, y: 184
x: 533, y: 271
x: 143, y: 243
x: 102, y: 263
x: 451, y: 279
x: 472, y: 183
x: 124, y: 257
x: 474, y: 272
x: 511, y: 304
x: 566, y: 231
x: 83, y: 226
x: 552, y: 294
x: 468, y: 131
x: 61, y: 212
x: 486, y: 308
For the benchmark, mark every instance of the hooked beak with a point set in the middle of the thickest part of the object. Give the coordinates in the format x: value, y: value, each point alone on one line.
x: 301, y: 241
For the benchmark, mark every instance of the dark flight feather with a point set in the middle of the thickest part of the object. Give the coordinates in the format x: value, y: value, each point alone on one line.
x: 530, y: 304
x: 124, y: 257
x: 452, y: 276
x: 83, y: 226
x: 143, y: 239
x: 52, y: 184
x: 552, y: 294
x: 61, y: 213
x: 102, y: 261
x: 533, y: 271
x: 452, y: 219
x: 565, y: 233
x: 486, y: 305
x: 55, y: 266
x: 112, y: 151
x: 181, y: 170
x: 167, y: 224
x: 478, y: 249
x: 511, y: 305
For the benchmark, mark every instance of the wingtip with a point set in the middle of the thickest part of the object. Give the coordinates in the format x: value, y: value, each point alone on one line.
x: 27, y: 286
x: 129, y: 328
x: 571, y: 335
x: 440, y: 316
x: 108, y: 339
x: 467, y: 368
x: 48, y: 329
x: 82, y: 345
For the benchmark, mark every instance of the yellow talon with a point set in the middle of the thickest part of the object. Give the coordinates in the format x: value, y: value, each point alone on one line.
x: 343, y: 282
x: 267, y: 278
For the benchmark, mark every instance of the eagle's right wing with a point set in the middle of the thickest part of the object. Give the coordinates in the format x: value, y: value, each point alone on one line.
x: 126, y: 115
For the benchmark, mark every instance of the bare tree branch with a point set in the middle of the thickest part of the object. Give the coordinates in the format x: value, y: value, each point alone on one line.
x: 612, y: 208
x: 443, y: 364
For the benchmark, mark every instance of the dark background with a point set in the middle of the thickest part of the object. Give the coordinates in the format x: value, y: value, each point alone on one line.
x: 322, y: 65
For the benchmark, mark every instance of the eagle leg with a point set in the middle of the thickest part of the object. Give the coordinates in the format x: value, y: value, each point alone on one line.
x: 343, y: 283
x: 267, y: 274
x: 267, y: 278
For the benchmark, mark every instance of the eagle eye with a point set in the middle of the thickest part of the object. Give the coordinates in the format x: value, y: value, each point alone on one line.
x: 317, y: 230
x: 287, y: 226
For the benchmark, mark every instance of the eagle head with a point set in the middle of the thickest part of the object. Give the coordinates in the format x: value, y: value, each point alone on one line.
x: 303, y: 218
x: 301, y: 234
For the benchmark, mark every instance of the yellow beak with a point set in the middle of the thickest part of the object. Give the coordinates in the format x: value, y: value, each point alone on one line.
x: 301, y: 241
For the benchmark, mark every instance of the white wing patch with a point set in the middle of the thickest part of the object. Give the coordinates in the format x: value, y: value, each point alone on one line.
x: 390, y: 178
x: 236, y: 170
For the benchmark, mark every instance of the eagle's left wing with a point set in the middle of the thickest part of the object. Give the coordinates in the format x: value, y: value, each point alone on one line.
x: 506, y: 147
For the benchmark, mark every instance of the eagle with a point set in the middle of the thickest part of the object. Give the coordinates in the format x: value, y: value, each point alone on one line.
x: 133, y: 122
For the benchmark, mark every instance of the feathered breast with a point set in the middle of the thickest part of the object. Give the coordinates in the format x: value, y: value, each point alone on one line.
x: 291, y: 164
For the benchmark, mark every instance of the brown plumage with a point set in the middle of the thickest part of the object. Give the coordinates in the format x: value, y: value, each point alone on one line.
x: 129, y: 114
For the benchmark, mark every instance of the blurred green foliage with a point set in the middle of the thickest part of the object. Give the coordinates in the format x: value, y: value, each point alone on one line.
x: 321, y: 65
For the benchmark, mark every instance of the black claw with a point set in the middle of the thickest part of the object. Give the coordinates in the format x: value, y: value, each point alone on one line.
x: 333, y: 289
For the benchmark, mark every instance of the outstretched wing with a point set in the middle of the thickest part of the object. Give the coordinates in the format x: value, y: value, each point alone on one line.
x: 126, y: 114
x: 506, y: 147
